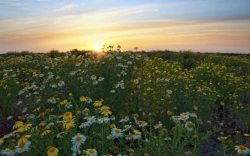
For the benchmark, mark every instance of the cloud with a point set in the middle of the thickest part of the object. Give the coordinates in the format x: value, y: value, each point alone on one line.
x: 147, y: 25
x: 66, y: 7
x: 11, y: 3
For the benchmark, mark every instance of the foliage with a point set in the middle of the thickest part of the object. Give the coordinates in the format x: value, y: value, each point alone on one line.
x: 131, y: 103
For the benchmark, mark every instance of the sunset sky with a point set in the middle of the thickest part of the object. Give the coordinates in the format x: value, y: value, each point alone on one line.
x: 200, y: 25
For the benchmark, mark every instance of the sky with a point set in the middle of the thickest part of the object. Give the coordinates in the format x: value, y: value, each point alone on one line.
x: 198, y: 25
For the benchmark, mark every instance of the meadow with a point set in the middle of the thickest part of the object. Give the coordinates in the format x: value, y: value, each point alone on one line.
x: 116, y: 103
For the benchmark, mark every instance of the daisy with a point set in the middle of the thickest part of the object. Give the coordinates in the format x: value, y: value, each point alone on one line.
x: 157, y: 126
x: 116, y: 132
x: 22, y: 145
x: 85, y: 124
x: 193, y: 115
x: 8, y: 152
x: 129, y: 136
x: 90, y: 119
x: 189, y: 126
x: 91, y: 152
x: 61, y: 83
x: 52, y: 151
x: 141, y: 123
x: 184, y: 116
x: 78, y: 139
x: 103, y: 120
x: 176, y: 119
x: 242, y: 150
x: 126, y: 119
x: 137, y: 135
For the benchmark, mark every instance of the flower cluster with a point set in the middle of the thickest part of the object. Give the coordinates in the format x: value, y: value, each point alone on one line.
x: 186, y: 119
x: 120, y: 104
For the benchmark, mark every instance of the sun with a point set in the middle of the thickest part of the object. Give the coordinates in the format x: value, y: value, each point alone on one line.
x: 97, y: 47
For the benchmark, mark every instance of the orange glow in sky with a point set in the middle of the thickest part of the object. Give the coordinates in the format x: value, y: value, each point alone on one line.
x: 200, y: 25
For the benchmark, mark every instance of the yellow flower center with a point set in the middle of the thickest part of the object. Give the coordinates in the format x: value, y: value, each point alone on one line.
x: 78, y: 139
x: 51, y: 150
x: 117, y: 130
x: 90, y: 151
x: 22, y: 144
x: 241, y: 147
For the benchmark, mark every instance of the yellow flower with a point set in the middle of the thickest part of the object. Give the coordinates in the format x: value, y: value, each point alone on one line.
x: 98, y: 103
x: 105, y: 110
x: 68, y: 120
x: 45, y: 131
x: 67, y: 116
x: 91, y: 152
x: 24, y: 128
x: 112, y: 126
x: 170, y: 113
x: 23, y: 144
x: 83, y: 99
x: 67, y: 124
x: 64, y: 102
x: 43, y: 123
x: 18, y: 124
x: 1, y: 141
x: 22, y: 141
x: 85, y: 111
x: 52, y: 151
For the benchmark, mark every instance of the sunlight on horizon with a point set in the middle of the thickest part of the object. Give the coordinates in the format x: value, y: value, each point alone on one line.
x: 207, y: 25
x: 97, y: 47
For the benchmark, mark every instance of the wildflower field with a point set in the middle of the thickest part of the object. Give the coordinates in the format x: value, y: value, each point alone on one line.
x: 124, y: 103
